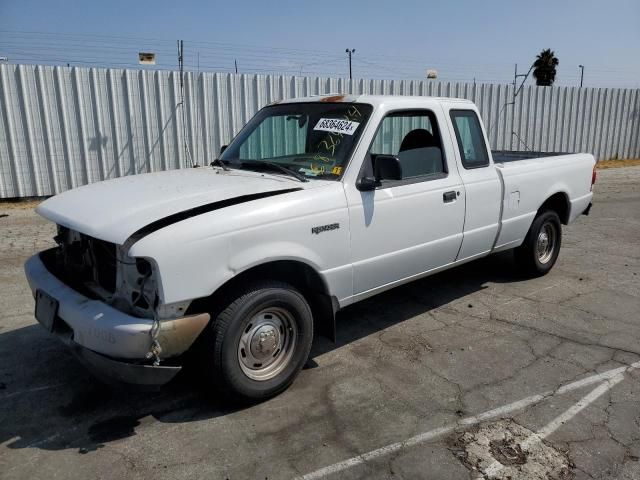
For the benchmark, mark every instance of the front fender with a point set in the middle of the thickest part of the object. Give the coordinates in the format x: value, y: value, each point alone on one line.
x: 197, y: 256
x: 244, y: 259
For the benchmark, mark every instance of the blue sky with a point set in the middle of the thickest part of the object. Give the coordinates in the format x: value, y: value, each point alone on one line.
x: 395, y: 39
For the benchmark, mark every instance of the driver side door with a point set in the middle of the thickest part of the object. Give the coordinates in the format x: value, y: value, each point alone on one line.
x: 406, y: 227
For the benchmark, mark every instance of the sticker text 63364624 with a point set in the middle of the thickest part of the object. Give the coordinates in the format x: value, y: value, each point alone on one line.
x: 336, y: 125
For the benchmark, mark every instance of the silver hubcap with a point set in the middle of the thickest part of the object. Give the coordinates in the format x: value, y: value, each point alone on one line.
x: 267, y: 343
x: 546, y: 243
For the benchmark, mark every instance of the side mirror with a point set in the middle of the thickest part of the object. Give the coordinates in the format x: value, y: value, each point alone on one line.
x: 223, y: 148
x: 387, y: 167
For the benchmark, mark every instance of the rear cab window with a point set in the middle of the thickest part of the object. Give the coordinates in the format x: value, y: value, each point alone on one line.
x: 471, y: 144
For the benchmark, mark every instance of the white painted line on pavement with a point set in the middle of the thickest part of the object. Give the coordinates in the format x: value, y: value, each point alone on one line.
x: 493, y: 469
x: 473, y: 420
x: 578, y: 407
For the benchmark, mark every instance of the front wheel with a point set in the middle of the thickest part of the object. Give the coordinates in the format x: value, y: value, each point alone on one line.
x: 539, y: 251
x: 259, y: 343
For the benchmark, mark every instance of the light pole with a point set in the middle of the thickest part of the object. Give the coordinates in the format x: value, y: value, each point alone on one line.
x: 350, y: 52
x: 581, y: 74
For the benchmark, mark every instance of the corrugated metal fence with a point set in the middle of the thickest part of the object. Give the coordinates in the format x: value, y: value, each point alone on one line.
x: 64, y: 127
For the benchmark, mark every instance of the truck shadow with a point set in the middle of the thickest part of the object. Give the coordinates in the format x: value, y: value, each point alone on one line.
x: 407, y: 301
x: 50, y: 402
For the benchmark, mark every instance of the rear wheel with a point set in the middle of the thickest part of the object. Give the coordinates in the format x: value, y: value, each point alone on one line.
x: 539, y: 251
x: 259, y: 343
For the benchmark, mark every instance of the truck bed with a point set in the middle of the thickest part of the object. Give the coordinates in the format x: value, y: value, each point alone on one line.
x: 530, y: 179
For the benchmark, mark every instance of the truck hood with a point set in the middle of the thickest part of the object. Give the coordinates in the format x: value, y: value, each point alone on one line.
x: 113, y: 210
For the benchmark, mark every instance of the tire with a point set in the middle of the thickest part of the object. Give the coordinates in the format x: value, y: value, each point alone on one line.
x: 256, y: 346
x: 538, y: 253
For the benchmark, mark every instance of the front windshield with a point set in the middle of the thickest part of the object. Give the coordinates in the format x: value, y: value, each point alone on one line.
x: 311, y: 139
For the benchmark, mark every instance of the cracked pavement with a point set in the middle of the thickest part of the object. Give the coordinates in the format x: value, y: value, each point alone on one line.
x: 408, y: 361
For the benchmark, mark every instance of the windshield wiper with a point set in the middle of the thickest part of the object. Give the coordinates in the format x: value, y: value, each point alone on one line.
x: 219, y: 163
x: 277, y: 166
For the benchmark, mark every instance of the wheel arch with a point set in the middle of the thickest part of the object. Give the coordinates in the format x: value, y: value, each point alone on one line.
x: 298, y: 274
x: 559, y: 203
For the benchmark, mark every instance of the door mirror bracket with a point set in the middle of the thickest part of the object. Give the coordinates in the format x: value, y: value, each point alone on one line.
x: 366, y: 184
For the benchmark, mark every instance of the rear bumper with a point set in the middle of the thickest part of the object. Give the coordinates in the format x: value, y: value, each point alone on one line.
x: 579, y: 206
x: 109, y: 342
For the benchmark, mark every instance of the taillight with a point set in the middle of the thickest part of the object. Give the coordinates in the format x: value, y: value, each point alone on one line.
x: 594, y: 177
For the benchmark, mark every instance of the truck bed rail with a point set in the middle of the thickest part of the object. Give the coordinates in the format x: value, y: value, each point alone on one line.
x: 503, y: 156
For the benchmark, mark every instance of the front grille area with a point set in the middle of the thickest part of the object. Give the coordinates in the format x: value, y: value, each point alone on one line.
x: 105, y: 263
x: 100, y: 270
x: 84, y: 260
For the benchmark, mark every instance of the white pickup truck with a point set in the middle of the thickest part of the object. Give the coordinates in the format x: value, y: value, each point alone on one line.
x: 316, y: 204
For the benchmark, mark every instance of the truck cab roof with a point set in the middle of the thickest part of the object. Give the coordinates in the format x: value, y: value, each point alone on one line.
x: 374, y: 100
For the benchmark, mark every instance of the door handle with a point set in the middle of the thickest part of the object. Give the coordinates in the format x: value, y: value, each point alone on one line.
x: 448, y: 197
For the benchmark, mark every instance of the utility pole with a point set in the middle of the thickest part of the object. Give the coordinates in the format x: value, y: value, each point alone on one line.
x: 180, y: 58
x: 184, y: 123
x: 350, y: 52
x: 581, y: 74
x: 236, y: 64
x: 524, y: 77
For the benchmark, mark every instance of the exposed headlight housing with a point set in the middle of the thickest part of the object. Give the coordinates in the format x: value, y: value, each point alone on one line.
x: 105, y: 270
x: 137, y: 288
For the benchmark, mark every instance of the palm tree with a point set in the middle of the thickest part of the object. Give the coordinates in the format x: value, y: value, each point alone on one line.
x: 545, y: 68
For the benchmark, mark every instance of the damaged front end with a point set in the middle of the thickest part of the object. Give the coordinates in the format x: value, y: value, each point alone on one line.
x: 108, y: 309
x: 104, y: 270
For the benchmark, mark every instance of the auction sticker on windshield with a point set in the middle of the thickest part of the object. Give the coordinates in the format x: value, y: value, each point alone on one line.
x: 335, y: 125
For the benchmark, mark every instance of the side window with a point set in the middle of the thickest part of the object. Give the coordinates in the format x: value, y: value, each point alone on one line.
x: 414, y: 138
x: 473, y: 150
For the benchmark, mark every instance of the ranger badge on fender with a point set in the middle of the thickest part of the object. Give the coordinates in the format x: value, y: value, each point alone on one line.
x: 325, y: 228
